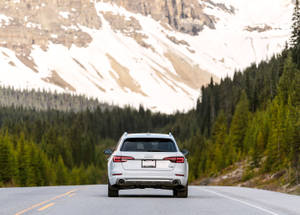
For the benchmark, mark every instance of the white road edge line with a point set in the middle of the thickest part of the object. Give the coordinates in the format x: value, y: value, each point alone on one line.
x: 240, y: 201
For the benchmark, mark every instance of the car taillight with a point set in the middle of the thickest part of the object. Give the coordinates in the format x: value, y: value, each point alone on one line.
x: 118, y: 159
x: 175, y: 159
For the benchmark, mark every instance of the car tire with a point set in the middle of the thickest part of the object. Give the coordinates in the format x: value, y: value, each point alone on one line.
x: 181, y: 193
x: 111, y: 191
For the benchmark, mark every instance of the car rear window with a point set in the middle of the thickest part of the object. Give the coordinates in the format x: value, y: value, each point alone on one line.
x: 148, y: 145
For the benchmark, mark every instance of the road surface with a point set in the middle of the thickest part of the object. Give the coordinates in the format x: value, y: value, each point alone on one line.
x: 92, y: 199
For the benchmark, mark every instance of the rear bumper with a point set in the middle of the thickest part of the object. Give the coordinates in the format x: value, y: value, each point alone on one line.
x: 159, y: 183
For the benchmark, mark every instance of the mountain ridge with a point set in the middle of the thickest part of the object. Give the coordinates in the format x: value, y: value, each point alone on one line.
x: 133, y: 52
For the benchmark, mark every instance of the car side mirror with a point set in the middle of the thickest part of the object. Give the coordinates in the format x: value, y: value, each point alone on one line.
x: 108, y: 151
x: 185, y: 152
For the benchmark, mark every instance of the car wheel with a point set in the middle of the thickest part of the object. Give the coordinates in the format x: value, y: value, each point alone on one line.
x: 111, y: 191
x: 181, y: 193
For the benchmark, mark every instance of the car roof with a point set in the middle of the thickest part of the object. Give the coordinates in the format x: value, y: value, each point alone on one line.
x: 148, y: 135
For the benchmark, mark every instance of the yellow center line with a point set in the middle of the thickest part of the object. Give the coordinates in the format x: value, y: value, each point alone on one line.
x: 46, y: 206
x: 72, y: 195
x: 46, y: 201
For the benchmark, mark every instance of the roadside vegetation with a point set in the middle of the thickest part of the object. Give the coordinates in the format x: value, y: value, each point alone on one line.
x: 253, y: 117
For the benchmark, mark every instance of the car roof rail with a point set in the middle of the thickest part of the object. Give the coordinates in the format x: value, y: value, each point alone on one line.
x: 125, y: 134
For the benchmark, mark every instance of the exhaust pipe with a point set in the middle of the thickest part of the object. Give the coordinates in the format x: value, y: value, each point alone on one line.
x: 176, y: 182
x: 121, y: 182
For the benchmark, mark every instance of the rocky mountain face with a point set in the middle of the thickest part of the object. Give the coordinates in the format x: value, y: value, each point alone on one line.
x: 186, y: 16
x: 38, y: 22
x: 149, y: 52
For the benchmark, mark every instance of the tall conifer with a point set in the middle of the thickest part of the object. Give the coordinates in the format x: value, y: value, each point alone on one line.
x: 295, y: 36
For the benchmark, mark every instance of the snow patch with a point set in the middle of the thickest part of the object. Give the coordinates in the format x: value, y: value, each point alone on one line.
x: 71, y: 27
x: 64, y: 14
x: 5, y: 20
x: 54, y: 36
x: 33, y: 25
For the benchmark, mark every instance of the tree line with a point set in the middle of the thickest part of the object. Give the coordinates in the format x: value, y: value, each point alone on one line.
x: 41, y: 100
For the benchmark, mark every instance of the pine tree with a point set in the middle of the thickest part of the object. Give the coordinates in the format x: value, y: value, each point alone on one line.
x: 93, y: 174
x: 288, y: 81
x: 219, y: 131
x: 295, y: 36
x: 6, y: 160
x: 278, y: 143
x: 257, y: 150
x: 22, y: 161
x: 61, y: 172
x: 218, y: 157
x: 239, y: 123
x: 31, y: 169
x: 293, y: 138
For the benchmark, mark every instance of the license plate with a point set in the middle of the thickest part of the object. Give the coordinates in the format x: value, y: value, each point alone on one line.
x: 148, y: 164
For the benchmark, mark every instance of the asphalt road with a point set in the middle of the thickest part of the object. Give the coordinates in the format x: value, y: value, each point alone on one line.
x: 92, y: 199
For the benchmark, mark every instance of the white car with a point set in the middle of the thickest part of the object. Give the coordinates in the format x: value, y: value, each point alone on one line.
x: 147, y: 160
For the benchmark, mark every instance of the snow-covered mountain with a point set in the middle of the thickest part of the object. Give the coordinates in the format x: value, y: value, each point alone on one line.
x: 157, y: 53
